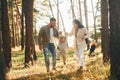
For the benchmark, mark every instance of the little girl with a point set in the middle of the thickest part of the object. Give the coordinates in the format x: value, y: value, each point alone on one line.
x: 61, y: 48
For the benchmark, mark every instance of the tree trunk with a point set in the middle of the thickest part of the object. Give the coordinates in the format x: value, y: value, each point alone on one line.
x: 86, y: 15
x: 6, y: 33
x: 80, y: 10
x: 18, y: 18
x: 51, y: 8
x: 2, y: 58
x: 58, y: 14
x: 2, y: 66
x: 114, y: 7
x: 94, y: 18
x: 29, y: 47
x: 13, y: 42
x: 105, y: 30
x: 22, y: 29
x: 73, y: 13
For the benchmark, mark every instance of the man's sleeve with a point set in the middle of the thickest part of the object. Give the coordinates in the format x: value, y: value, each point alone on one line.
x: 57, y: 34
x: 40, y: 37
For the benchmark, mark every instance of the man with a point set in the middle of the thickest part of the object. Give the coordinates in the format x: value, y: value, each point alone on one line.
x: 46, y: 42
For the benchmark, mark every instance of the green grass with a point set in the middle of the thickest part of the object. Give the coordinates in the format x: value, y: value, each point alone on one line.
x: 93, y: 70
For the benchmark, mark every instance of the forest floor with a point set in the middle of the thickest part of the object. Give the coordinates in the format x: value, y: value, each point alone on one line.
x: 93, y: 70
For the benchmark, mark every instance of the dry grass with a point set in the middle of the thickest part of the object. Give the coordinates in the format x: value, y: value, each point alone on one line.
x: 93, y: 70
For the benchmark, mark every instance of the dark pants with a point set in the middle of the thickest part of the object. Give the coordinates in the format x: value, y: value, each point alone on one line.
x: 47, y: 51
x: 92, y: 49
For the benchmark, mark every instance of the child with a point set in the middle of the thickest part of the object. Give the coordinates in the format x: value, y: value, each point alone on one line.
x: 61, y: 48
x: 92, y: 49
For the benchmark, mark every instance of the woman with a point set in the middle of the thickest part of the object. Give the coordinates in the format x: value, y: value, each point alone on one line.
x: 80, y: 33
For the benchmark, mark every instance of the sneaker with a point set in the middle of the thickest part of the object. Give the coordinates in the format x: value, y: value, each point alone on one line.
x: 64, y: 63
x: 54, y: 68
x: 57, y: 59
x: 48, y: 70
x: 80, y: 70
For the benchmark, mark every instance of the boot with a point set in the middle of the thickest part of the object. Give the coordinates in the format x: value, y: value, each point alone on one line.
x: 80, y: 70
x: 64, y: 63
x: 54, y: 68
x: 48, y: 70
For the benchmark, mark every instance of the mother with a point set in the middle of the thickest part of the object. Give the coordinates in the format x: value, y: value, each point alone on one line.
x: 80, y: 33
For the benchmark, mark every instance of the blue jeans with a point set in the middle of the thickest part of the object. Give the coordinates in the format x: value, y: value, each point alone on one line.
x: 47, y: 51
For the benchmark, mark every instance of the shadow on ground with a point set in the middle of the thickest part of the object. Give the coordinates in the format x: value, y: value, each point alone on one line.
x: 53, y: 76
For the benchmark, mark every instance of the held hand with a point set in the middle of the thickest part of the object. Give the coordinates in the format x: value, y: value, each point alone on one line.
x: 66, y: 33
x: 60, y: 33
x: 58, y: 48
x: 41, y: 48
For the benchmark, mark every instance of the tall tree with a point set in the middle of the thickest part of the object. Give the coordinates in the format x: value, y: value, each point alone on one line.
x: 105, y: 30
x: 94, y: 19
x: 114, y: 7
x: 79, y: 2
x: 2, y: 67
x: 12, y: 23
x: 2, y: 58
x: 18, y: 23
x: 29, y: 47
x: 51, y: 8
x: 72, y: 6
x: 58, y: 14
x: 6, y: 33
x: 22, y: 28
x: 86, y: 15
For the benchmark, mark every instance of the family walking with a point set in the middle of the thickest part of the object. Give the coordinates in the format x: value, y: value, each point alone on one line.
x: 46, y: 42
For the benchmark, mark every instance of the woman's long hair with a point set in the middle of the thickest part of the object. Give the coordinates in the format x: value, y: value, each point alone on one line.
x: 78, y: 23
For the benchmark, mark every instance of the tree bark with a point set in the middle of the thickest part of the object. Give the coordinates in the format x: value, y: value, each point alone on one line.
x: 29, y: 47
x: 51, y: 8
x: 73, y: 13
x: 114, y: 7
x: 80, y: 10
x: 6, y: 33
x: 58, y: 14
x: 105, y: 30
x: 18, y: 17
x: 13, y: 42
x: 94, y: 19
x: 22, y: 29
x: 86, y: 15
x: 2, y: 58
x: 2, y: 66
